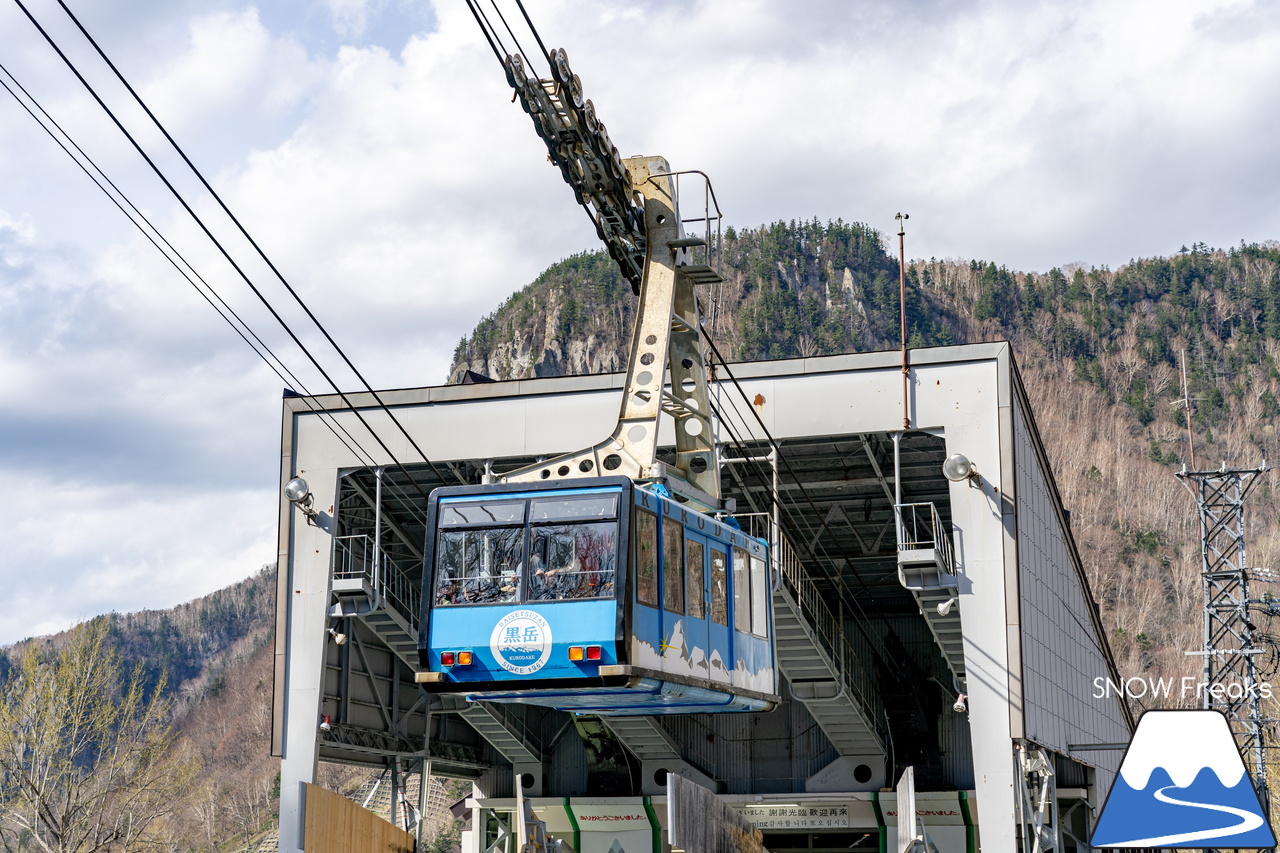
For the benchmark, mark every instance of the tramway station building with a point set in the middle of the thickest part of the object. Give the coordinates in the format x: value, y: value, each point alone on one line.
x: 928, y: 619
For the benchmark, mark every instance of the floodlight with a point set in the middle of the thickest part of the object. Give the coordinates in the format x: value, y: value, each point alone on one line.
x: 326, y: 723
x: 297, y: 491
x: 944, y: 607
x: 339, y: 638
x: 958, y: 468
x: 960, y: 706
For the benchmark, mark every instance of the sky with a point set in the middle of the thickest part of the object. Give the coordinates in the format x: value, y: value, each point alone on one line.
x: 371, y: 148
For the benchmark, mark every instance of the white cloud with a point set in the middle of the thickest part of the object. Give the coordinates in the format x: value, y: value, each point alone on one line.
x: 350, y: 18
x: 232, y: 78
x: 371, y: 148
x: 122, y: 548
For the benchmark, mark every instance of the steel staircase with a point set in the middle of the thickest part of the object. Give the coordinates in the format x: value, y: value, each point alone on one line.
x: 372, y: 588
x: 823, y: 669
x: 945, y: 629
x: 504, y: 731
x: 645, y: 737
x: 927, y: 568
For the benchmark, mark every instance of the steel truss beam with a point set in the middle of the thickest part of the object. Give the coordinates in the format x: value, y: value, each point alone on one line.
x: 1037, y: 804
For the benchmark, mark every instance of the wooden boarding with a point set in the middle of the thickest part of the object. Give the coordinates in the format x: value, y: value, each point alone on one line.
x: 334, y: 824
x: 700, y: 822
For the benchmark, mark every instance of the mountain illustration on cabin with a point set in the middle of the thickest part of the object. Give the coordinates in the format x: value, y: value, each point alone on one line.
x: 1182, y: 784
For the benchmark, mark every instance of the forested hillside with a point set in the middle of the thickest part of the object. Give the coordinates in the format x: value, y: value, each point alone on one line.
x: 1099, y: 350
x: 212, y: 659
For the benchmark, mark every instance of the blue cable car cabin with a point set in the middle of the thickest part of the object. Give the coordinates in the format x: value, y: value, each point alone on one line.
x: 594, y: 596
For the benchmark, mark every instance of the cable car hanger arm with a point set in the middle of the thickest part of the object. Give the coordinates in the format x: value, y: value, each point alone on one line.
x: 637, y: 216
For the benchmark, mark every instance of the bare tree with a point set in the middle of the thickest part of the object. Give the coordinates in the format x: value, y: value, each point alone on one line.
x: 87, y: 758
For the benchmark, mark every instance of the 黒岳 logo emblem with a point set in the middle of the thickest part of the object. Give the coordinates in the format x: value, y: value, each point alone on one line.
x: 1182, y: 784
x: 521, y: 642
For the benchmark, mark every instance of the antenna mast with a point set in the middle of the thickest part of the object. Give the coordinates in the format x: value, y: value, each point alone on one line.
x: 1186, y: 408
x: 902, y: 305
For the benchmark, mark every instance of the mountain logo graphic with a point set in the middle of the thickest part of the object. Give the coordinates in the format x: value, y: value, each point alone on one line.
x: 1182, y: 784
x: 521, y: 642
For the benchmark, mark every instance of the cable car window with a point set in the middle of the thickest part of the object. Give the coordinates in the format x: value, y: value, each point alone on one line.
x: 568, y: 561
x: 479, y: 565
x: 575, y: 509
x: 741, y: 592
x: 646, y: 558
x: 672, y: 565
x: 719, y: 599
x: 694, y: 590
x: 759, y: 606
x: 476, y: 512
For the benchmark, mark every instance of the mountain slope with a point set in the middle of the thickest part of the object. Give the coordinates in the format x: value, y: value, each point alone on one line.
x: 214, y: 656
x: 1100, y: 351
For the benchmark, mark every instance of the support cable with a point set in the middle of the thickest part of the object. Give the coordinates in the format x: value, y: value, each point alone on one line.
x: 546, y: 54
x: 519, y: 47
x: 476, y: 14
x: 225, y: 311
x: 838, y: 577
x: 257, y: 248
x: 491, y: 29
x: 223, y: 251
x: 498, y: 48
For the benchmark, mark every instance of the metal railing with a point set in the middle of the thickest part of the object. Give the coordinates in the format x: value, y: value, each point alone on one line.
x: 524, y: 732
x: 712, y: 250
x: 356, y: 558
x: 827, y: 627
x: 858, y: 682
x: 920, y: 528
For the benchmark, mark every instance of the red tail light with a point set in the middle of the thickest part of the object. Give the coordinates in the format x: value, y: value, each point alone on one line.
x: 593, y: 653
x: 447, y: 658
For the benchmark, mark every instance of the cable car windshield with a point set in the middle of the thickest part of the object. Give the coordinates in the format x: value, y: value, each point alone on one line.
x: 571, y: 543
x: 572, y: 561
x: 480, y: 553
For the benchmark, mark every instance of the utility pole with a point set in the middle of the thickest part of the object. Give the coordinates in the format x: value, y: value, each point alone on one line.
x: 1185, y: 402
x: 902, y: 305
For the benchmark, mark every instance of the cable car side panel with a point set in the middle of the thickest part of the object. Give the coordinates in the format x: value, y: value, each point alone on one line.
x: 686, y: 631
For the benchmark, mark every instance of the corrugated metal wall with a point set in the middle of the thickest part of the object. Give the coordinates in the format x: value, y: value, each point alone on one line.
x: 1062, y: 653
x: 957, y: 749
x: 755, y: 753
x: 566, y: 771
x: 775, y: 752
x: 954, y: 741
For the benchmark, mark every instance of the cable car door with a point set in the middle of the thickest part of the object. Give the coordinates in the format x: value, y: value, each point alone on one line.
x: 697, y: 600
x: 718, y: 612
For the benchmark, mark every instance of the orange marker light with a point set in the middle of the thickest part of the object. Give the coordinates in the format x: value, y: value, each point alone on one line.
x: 593, y: 653
x: 464, y: 658
x: 446, y: 658
x: 575, y: 653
